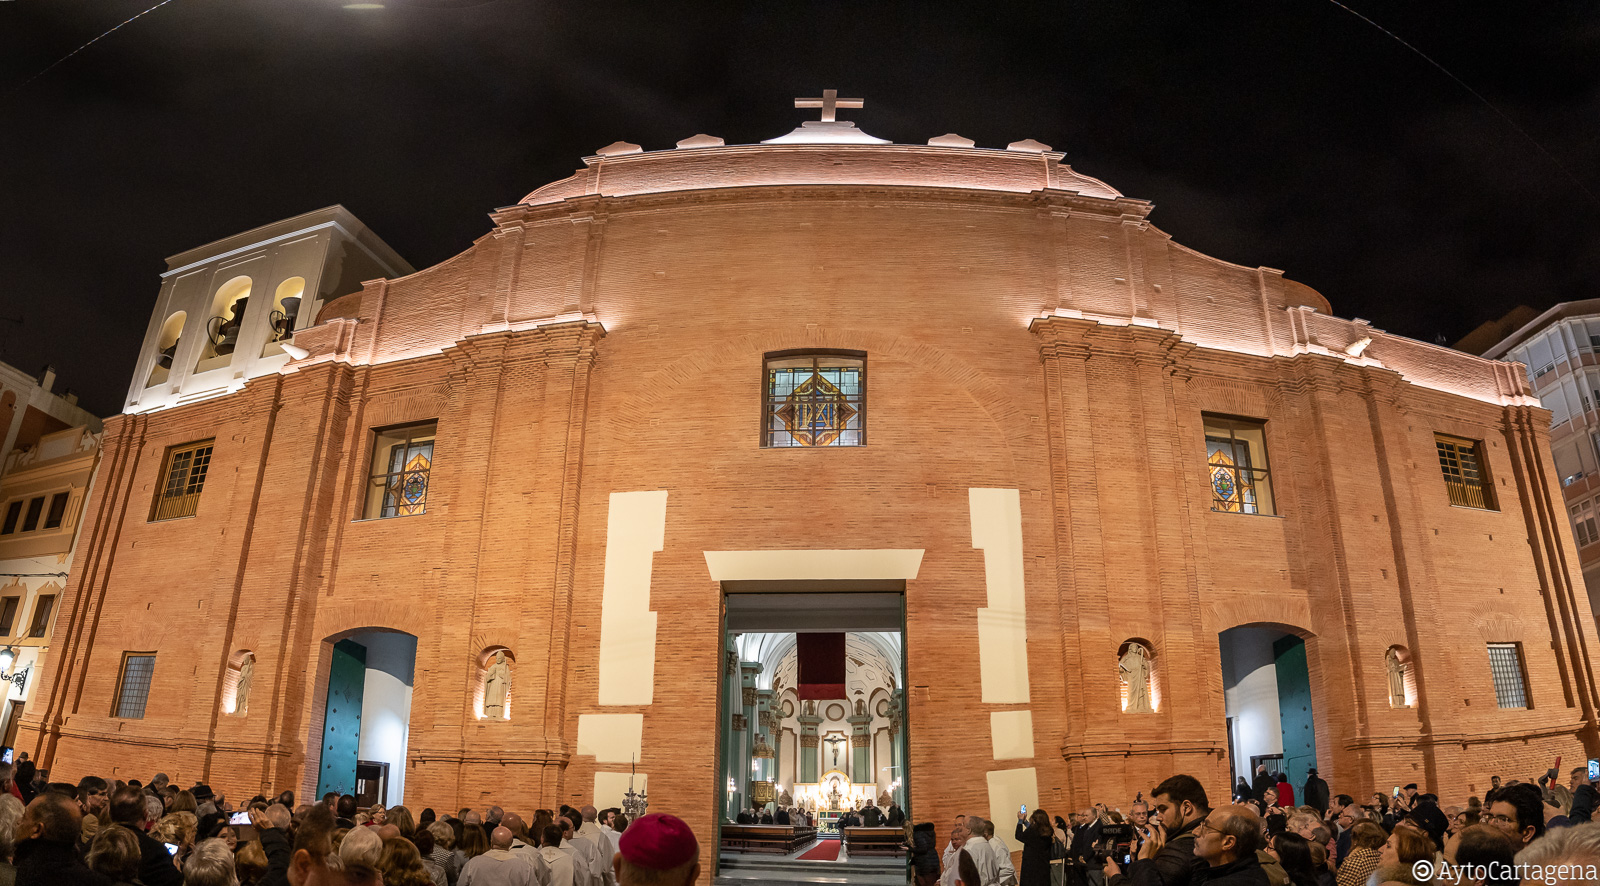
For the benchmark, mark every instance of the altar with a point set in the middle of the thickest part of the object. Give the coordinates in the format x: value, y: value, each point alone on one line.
x: 830, y: 797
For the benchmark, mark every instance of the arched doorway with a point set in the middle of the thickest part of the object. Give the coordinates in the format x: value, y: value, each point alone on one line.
x: 1266, y: 682
x: 366, y: 721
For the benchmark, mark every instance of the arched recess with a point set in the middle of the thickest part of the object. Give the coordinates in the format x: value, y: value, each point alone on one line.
x: 1153, y: 681
x: 1408, y: 674
x: 167, y: 348
x: 484, y: 660
x: 230, y: 682
x: 283, y: 317
x: 224, y: 324
x: 1274, y: 697
x: 361, y: 713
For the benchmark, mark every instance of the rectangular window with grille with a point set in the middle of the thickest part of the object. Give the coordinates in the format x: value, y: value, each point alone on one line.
x: 1583, y: 525
x: 183, y: 477
x: 1466, y: 474
x: 58, y: 510
x: 402, y: 460
x: 1236, y: 465
x: 8, y: 614
x: 41, y: 615
x: 1510, y: 680
x: 814, y: 399
x: 133, y: 685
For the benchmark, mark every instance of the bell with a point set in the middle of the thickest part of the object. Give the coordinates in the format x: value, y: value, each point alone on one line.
x: 230, y: 329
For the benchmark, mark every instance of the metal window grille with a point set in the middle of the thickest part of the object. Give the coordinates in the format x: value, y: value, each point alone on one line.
x: 133, y: 689
x: 58, y: 510
x: 815, y: 400
x: 8, y: 614
x: 401, y: 470
x: 1238, y: 484
x: 41, y: 615
x: 185, y: 478
x: 1465, y: 477
x: 1510, y: 684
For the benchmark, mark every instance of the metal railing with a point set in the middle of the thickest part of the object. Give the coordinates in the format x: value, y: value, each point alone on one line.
x: 169, y: 507
x: 1468, y: 495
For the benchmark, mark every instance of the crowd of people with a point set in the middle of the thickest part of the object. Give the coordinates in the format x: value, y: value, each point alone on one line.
x: 1535, y: 832
x: 104, y: 833
x: 98, y: 832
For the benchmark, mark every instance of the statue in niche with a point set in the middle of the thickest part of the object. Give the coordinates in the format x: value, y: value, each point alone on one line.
x: 1397, y: 678
x: 241, y: 692
x: 496, y: 681
x: 1134, y: 669
x: 811, y: 709
x: 861, y: 708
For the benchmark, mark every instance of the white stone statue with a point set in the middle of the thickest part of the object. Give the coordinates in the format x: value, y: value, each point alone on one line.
x: 496, y: 680
x: 1134, y: 669
x: 241, y: 692
x: 1397, y: 678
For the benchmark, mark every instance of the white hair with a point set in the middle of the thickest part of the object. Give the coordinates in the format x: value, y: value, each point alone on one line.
x: 10, y: 814
x: 1578, y: 845
x: 361, y: 844
x: 210, y: 864
x: 153, y: 808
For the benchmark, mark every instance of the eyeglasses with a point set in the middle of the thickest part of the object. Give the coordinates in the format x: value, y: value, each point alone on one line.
x: 1499, y: 819
x: 1204, y: 826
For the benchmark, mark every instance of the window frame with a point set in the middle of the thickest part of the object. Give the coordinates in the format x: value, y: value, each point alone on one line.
x: 1459, y: 493
x: 8, y: 619
x: 45, y: 605
x: 51, y: 513
x: 13, y: 517
x: 117, y: 698
x: 35, y: 513
x: 1258, y: 473
x: 764, y: 428
x: 1521, y: 661
x: 371, y: 476
x: 188, y: 502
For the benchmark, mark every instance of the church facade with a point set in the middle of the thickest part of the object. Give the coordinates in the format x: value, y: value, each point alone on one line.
x: 1146, y: 511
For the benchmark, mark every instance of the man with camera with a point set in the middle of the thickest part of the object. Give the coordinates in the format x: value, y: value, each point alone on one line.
x: 1167, y: 857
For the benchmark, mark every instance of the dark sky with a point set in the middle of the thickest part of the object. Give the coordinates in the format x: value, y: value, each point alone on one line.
x: 1285, y: 133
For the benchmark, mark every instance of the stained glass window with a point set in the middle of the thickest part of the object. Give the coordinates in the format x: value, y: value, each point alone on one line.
x: 1510, y: 683
x: 1236, y: 465
x: 186, y: 469
x: 815, y: 399
x: 133, y: 689
x: 1466, y: 477
x: 402, y: 459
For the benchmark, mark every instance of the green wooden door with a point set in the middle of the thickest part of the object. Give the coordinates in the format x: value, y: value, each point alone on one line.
x: 341, y: 725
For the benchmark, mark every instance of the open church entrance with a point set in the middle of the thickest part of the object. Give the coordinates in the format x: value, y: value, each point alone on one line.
x: 1266, y: 682
x: 366, y: 716
x: 812, y: 718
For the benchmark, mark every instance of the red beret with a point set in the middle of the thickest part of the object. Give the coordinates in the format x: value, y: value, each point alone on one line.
x: 658, y: 842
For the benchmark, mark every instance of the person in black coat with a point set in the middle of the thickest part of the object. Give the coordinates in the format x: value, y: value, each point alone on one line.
x: 1036, y: 836
x: 1315, y: 793
x: 872, y: 816
x: 924, y: 852
x: 745, y: 817
x: 46, y: 854
x: 155, y: 862
x: 896, y: 816
x: 1263, y: 780
x: 782, y: 817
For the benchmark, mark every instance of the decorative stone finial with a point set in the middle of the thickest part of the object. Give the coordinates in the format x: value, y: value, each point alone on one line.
x: 1028, y: 146
x: 702, y: 141
x: 951, y: 140
x: 616, y: 148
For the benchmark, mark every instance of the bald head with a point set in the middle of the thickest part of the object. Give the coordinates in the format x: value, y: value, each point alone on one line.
x: 389, y: 830
x: 500, y: 839
x: 589, y: 813
x: 513, y: 823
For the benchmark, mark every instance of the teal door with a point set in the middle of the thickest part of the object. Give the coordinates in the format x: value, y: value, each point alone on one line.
x: 341, y: 725
x: 1294, y: 710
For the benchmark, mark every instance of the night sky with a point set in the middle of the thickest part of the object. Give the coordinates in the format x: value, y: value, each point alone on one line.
x: 1285, y: 133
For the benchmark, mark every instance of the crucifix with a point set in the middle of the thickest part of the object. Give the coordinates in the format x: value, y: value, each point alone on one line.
x: 833, y: 745
x: 829, y: 103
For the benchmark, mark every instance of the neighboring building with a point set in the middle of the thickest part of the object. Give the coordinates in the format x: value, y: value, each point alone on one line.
x: 1558, y: 349
x: 1108, y: 509
x: 46, y: 468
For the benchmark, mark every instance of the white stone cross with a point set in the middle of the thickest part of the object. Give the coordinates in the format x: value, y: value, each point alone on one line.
x: 829, y: 103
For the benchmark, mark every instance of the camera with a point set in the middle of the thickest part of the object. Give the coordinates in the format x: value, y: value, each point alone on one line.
x: 1115, y: 843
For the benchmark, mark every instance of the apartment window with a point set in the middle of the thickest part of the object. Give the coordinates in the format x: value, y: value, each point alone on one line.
x: 815, y: 398
x: 1236, y: 457
x: 41, y: 615
x: 58, y: 510
x: 133, y: 685
x: 185, y: 475
x: 14, y: 513
x: 1466, y: 475
x: 35, y: 508
x: 8, y: 614
x: 402, y: 459
x: 1510, y: 680
x: 1583, y: 525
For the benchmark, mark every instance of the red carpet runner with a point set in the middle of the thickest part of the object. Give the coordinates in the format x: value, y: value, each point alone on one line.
x: 828, y: 850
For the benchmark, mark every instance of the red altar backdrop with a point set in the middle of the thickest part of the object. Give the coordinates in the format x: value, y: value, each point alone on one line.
x: 821, y: 666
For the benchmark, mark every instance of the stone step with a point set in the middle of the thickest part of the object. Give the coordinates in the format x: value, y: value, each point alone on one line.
x: 743, y: 871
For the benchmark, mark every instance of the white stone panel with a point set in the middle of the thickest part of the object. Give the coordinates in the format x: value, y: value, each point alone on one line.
x: 610, y: 787
x: 1012, y: 735
x: 1002, y: 630
x: 862, y: 565
x: 635, y: 529
x: 1009, y: 790
x: 611, y: 738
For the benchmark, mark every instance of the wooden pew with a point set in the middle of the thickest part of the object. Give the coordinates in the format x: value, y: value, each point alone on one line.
x: 875, y: 841
x: 781, y: 839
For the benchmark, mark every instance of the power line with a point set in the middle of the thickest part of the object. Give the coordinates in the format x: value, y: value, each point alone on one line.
x: 52, y: 66
x: 1477, y: 95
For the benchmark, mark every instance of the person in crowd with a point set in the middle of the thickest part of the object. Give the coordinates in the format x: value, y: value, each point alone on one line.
x: 1398, y: 859
x: 1226, y: 840
x: 114, y: 854
x: 1037, y: 838
x: 401, y: 817
x: 569, y: 822
x: 1007, y: 875
x: 1293, y: 853
x: 657, y: 850
x: 473, y: 843
x: 1167, y: 855
x: 46, y: 848
x: 895, y: 817
x: 498, y: 866
x: 361, y: 845
x: 1481, y: 845
x: 1518, y: 810
x: 443, y: 854
x: 1577, y: 848
x: 1263, y: 781
x: 564, y: 865
x: 401, y: 864
x: 129, y: 810
x: 925, y: 853
x: 1366, y: 845
x: 606, y: 846
x: 1269, y: 799
x: 251, y: 863
x: 1285, y: 791
x: 1315, y: 793
x: 345, y: 810
x: 983, y: 857
x: 93, y: 797
x: 1242, y: 791
x: 210, y: 864
x: 24, y: 777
